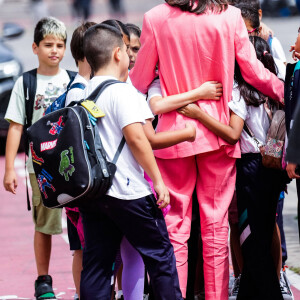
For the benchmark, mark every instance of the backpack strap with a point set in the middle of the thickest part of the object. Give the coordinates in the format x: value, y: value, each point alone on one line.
x: 100, y: 88
x: 71, y: 74
x: 94, y: 97
x: 77, y: 85
x: 29, y: 85
x: 119, y: 150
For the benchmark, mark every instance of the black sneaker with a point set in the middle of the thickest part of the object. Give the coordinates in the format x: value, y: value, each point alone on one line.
x: 43, y: 288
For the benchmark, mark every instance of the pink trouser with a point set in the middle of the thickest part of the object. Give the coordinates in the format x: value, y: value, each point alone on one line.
x: 213, y: 174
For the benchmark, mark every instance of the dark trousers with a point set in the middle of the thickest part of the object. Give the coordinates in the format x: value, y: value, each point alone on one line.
x: 298, y: 206
x: 258, y: 189
x: 143, y: 224
x: 279, y: 221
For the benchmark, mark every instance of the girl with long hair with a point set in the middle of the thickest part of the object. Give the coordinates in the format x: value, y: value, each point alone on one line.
x: 257, y: 187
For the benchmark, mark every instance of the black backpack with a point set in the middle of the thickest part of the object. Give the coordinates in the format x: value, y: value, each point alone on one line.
x: 29, y: 86
x: 68, y: 156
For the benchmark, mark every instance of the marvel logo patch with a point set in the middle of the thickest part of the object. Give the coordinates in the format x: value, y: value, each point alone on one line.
x: 48, y: 145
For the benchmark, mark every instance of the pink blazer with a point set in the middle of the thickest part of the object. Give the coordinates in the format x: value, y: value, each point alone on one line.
x: 191, y: 49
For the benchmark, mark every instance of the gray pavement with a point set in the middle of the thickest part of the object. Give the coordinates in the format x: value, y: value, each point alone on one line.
x: 19, y: 11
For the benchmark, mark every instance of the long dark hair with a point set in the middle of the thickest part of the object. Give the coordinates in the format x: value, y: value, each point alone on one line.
x: 251, y: 95
x: 199, y: 6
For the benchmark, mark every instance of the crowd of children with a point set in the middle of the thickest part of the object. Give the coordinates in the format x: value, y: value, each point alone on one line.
x: 207, y: 121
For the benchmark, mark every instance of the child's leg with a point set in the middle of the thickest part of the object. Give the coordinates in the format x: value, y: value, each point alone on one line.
x: 215, y: 188
x: 235, y: 247
x: 179, y: 176
x: 47, y: 223
x: 236, y: 251
x: 75, y: 245
x: 102, y: 240
x: 276, y: 250
x: 76, y: 269
x: 144, y: 226
x: 133, y: 272
x: 257, y: 201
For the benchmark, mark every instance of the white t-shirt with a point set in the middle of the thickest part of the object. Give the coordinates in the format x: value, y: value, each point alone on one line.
x: 277, y: 50
x: 76, y: 94
x: 256, y: 119
x: 281, y: 68
x: 147, y: 113
x: 47, y: 90
x: 122, y: 106
x: 279, y: 56
x: 154, y: 89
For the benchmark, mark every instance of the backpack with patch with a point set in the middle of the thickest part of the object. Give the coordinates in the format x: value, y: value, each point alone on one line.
x: 272, y: 154
x: 68, y: 156
x: 60, y: 102
x: 273, y: 151
x: 29, y: 86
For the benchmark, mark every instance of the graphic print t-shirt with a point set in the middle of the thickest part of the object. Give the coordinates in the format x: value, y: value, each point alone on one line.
x: 48, y: 89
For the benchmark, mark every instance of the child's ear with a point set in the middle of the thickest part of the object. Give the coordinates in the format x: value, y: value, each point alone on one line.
x: 260, y: 14
x: 117, y: 54
x: 35, y: 48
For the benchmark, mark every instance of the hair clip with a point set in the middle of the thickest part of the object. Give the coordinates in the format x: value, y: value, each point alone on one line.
x: 265, y: 52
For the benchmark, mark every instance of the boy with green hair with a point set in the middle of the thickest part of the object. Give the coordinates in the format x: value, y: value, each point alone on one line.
x: 50, y: 80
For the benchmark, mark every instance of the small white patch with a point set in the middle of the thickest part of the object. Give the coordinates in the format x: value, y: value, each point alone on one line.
x: 245, y: 234
x: 63, y: 198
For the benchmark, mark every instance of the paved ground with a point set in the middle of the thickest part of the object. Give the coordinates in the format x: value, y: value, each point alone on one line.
x: 16, y: 232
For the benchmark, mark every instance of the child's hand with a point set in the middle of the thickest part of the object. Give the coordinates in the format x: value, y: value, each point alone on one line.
x: 163, y: 196
x: 191, y: 132
x: 189, y: 110
x: 10, y: 181
x: 212, y: 90
x: 291, y: 168
x: 295, y: 55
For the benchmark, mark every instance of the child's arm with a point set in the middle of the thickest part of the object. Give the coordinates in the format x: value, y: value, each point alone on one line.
x: 10, y: 181
x: 142, y: 151
x: 209, y: 90
x: 166, y: 139
x: 230, y: 133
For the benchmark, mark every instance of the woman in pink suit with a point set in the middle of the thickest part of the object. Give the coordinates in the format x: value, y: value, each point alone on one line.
x: 193, y: 42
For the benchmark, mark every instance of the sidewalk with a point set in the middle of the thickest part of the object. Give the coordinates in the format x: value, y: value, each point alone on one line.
x: 17, y: 262
x: 17, y: 259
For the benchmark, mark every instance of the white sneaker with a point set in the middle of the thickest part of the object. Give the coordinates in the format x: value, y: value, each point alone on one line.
x: 235, y: 288
x: 285, y: 286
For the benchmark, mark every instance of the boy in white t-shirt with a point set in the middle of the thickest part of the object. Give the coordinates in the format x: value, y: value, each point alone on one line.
x: 74, y: 222
x: 49, y: 45
x: 129, y: 208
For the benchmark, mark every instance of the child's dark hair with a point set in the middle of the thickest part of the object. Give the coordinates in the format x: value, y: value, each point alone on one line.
x: 253, y: 3
x: 118, y: 25
x: 98, y: 43
x: 49, y: 26
x: 250, y: 13
x: 199, y: 6
x: 133, y: 29
x: 76, y: 44
x: 250, y: 94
